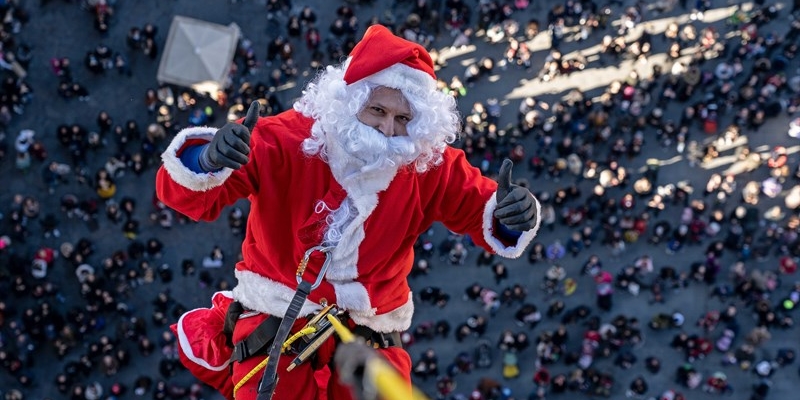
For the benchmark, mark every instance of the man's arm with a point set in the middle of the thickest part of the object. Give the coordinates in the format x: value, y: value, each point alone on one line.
x: 195, y: 178
x: 468, y: 204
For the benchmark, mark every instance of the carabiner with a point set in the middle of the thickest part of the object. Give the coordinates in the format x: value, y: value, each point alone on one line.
x: 301, y: 269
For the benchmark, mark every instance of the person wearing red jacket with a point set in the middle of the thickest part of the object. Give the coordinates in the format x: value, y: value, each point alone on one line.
x: 350, y: 177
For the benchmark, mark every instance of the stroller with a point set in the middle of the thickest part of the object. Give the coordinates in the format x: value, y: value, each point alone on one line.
x: 510, y: 365
x: 725, y: 340
x: 662, y: 321
x: 462, y: 364
x: 483, y: 354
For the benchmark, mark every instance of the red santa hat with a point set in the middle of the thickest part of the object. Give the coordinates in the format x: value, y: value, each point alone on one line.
x: 380, y: 50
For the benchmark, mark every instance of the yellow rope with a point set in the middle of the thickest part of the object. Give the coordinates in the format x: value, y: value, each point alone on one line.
x: 249, y: 375
x: 389, y: 383
x: 344, y: 334
x: 302, y: 332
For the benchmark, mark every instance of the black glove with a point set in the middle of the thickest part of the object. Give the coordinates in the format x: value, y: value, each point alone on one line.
x: 516, y: 208
x: 231, y: 144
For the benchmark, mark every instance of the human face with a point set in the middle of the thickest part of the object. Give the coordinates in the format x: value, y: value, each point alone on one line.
x: 386, y: 110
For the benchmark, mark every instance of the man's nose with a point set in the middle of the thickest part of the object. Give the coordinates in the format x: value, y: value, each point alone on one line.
x: 386, y: 126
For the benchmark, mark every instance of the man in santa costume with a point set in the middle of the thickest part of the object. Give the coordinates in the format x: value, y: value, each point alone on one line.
x: 360, y: 166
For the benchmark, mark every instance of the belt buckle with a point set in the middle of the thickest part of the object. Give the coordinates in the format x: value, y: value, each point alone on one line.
x: 378, y: 340
x: 241, y: 351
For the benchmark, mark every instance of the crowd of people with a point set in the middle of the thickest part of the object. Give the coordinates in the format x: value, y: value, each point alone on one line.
x: 579, y: 153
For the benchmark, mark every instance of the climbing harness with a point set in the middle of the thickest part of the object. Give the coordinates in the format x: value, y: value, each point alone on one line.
x: 269, y: 380
x: 304, y: 343
x: 274, y: 332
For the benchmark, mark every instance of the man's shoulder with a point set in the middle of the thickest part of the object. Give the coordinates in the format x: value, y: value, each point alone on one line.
x: 453, y: 152
x: 289, y: 125
x: 451, y: 158
x: 453, y: 155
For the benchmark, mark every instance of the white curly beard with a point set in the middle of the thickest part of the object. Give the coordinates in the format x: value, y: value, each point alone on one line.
x: 364, y: 162
x: 357, y: 151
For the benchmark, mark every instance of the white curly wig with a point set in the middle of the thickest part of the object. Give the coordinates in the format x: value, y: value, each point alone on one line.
x: 331, y: 102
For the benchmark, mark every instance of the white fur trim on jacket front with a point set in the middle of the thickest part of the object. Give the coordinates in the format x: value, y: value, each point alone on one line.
x: 259, y: 293
x: 344, y: 257
x: 186, y: 346
x: 198, y: 182
x: 352, y: 296
x: 397, y: 320
x: 495, y: 243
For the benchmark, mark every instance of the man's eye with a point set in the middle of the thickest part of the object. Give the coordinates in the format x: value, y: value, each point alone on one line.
x: 377, y: 110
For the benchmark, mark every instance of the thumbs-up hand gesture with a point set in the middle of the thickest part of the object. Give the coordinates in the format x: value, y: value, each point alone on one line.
x: 231, y: 144
x: 516, y: 207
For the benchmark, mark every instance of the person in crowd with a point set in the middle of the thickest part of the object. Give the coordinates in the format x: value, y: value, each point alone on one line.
x: 735, y: 86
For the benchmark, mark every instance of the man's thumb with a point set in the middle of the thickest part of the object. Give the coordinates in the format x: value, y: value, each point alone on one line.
x: 504, y: 179
x: 252, y: 116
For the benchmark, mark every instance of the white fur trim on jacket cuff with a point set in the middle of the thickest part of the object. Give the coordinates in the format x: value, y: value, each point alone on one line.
x: 260, y: 293
x: 198, y: 182
x: 495, y: 243
x: 397, y: 320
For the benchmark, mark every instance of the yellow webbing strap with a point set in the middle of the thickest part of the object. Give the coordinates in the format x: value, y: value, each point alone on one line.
x: 389, y: 384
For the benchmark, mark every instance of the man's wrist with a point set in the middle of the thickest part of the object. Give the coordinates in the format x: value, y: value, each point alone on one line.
x: 205, y: 162
x: 190, y: 158
x: 508, y: 233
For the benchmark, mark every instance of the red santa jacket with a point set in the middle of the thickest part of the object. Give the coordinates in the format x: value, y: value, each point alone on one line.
x: 291, y: 194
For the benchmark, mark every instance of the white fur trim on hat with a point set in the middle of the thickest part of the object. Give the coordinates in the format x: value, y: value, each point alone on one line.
x: 403, y: 77
x: 495, y: 243
x: 186, y: 346
x: 262, y: 294
x: 198, y: 182
x: 397, y: 320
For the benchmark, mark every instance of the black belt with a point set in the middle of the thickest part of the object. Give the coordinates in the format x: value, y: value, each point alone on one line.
x: 257, y: 341
x: 378, y: 340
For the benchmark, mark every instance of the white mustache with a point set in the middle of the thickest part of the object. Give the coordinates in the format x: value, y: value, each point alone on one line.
x: 375, y: 149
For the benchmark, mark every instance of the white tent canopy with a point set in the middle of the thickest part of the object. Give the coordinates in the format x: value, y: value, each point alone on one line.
x: 198, y: 54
